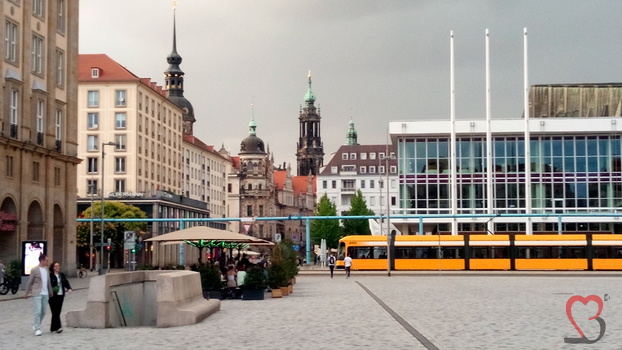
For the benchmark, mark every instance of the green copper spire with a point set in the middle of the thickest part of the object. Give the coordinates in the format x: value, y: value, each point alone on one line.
x: 252, y: 125
x: 351, y: 136
x: 309, y: 97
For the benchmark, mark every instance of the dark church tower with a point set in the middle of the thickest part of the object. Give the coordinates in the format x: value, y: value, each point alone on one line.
x: 310, y: 153
x: 174, y: 78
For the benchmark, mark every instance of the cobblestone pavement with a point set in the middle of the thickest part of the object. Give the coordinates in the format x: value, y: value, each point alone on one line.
x: 451, y: 311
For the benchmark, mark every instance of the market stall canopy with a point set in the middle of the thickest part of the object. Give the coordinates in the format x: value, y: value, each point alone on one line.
x: 205, y: 233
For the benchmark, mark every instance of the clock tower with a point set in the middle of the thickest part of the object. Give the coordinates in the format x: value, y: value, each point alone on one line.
x: 310, y: 150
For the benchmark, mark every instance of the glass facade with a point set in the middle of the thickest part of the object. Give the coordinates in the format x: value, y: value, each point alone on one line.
x: 568, y: 174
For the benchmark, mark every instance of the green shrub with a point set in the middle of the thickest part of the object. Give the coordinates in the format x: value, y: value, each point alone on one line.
x: 211, y: 278
x: 255, y: 278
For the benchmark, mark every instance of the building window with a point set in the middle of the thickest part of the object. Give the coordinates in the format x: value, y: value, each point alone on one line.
x: 381, y: 155
x: 119, y: 165
x: 35, y: 171
x: 393, y: 169
x: 140, y: 101
x: 324, y: 183
x: 38, y: 8
x: 381, y: 169
x: 249, y: 210
x: 93, y: 98
x: 119, y: 185
x: 334, y: 184
x: 92, y: 143
x: 372, y: 200
x: 93, y: 120
x: 120, y: 98
x: 37, y: 54
x: 393, y: 183
x: 8, y: 171
x: 344, y: 156
x: 352, y: 156
x: 363, y: 169
x: 261, y: 210
x: 372, y: 155
x: 57, y: 176
x: 60, y: 68
x: 372, y: 183
x: 372, y: 169
x: 14, y: 112
x: 362, y: 183
x: 334, y: 170
x: 121, y: 142
x: 91, y: 187
x: 393, y: 201
x: 91, y: 163
x: 60, y: 16
x: 40, y: 113
x: 10, y: 41
x: 94, y: 72
x: 363, y: 156
x: 120, y: 120
x: 58, y: 125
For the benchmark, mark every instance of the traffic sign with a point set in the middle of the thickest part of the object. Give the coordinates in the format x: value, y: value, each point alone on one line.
x: 129, y: 245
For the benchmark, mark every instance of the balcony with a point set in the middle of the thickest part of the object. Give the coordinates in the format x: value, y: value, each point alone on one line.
x: 348, y: 189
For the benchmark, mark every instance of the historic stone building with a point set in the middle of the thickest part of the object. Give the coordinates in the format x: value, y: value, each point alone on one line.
x: 38, y: 135
x: 251, y: 189
x: 310, y: 150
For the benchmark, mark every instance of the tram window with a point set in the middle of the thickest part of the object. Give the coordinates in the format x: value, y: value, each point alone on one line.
x: 489, y: 252
x: 551, y: 252
x: 608, y: 252
x: 428, y: 253
x: 340, y: 253
x: 368, y: 252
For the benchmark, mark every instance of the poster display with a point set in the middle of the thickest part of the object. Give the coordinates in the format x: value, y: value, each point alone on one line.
x: 31, y: 250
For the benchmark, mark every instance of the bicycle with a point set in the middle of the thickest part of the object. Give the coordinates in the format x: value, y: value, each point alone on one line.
x: 82, y: 273
x: 11, y: 284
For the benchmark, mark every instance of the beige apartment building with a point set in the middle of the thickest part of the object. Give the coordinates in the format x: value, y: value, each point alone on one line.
x: 38, y: 144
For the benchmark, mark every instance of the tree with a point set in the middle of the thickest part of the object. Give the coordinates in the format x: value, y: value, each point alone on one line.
x: 112, y: 230
x: 326, y: 229
x: 358, y: 207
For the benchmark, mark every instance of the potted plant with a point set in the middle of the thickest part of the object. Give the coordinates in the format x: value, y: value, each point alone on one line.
x: 290, y: 263
x: 211, y: 281
x: 254, y: 284
x: 277, y: 279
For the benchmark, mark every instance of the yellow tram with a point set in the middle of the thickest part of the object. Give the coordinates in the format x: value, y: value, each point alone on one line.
x: 485, y: 252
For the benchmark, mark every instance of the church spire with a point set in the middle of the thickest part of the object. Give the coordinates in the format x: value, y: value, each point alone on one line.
x: 351, y: 136
x: 309, y: 96
x: 252, y: 126
x: 174, y: 78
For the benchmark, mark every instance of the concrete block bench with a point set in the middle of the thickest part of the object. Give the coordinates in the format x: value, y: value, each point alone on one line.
x: 144, y: 298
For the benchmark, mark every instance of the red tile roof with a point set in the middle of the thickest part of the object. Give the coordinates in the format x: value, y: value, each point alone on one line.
x: 200, y: 144
x: 300, y: 184
x: 110, y: 71
x: 279, y: 178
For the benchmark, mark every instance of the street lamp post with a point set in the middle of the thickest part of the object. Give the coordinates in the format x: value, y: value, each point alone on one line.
x: 91, y: 240
x: 101, y: 252
x: 386, y: 158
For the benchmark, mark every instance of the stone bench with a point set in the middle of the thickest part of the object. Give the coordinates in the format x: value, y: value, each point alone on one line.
x: 144, y: 298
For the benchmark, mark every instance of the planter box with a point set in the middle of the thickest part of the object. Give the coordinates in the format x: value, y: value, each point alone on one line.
x: 213, y: 294
x: 276, y: 293
x: 253, y: 294
x: 285, y: 291
x: 290, y: 289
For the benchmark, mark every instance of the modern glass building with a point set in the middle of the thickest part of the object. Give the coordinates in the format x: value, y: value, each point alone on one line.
x: 575, y: 170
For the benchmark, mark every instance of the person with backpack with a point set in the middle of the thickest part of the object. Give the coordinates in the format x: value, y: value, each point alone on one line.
x: 331, y: 264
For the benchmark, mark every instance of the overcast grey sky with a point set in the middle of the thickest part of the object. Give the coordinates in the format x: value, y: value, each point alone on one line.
x: 372, y: 61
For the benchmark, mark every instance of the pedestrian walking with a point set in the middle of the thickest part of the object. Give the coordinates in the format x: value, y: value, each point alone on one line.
x: 1, y: 271
x: 331, y: 264
x: 347, y: 262
x: 40, y: 287
x: 60, y: 286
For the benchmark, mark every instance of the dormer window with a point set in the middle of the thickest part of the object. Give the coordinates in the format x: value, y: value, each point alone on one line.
x: 95, y: 72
